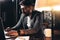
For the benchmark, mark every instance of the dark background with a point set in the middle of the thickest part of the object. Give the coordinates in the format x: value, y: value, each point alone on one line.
x: 10, y: 12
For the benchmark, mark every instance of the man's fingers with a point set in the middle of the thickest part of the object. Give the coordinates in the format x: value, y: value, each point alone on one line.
x: 22, y: 32
x: 12, y: 33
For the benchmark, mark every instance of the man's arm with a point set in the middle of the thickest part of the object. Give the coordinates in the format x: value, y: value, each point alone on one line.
x: 19, y: 22
x: 36, y: 27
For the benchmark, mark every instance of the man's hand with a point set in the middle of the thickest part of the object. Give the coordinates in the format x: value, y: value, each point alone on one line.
x: 12, y: 33
x: 8, y: 29
x: 22, y: 32
x: 15, y: 33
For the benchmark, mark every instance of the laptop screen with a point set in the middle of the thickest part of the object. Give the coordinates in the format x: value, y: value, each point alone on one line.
x: 2, y: 36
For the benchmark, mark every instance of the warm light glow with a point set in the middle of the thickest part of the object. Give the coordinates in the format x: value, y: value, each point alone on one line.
x: 43, y: 8
x: 45, y: 4
x: 47, y: 32
x: 40, y: 3
x: 56, y: 8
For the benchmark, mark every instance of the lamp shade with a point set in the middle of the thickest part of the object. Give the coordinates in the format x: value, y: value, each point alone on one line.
x: 46, y: 4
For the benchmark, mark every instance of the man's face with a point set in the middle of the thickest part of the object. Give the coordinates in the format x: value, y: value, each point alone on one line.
x: 27, y: 9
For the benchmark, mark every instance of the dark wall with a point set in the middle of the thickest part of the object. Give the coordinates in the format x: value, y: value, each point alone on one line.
x: 8, y: 13
x: 57, y: 20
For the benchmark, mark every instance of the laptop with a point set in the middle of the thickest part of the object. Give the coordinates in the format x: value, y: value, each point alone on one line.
x: 2, y: 36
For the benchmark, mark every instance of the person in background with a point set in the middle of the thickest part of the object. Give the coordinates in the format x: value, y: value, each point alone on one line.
x: 30, y: 22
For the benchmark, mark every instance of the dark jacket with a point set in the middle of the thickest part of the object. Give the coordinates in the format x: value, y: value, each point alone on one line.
x: 36, y: 30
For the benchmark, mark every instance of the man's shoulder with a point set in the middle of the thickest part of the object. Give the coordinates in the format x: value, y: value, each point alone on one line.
x: 37, y: 12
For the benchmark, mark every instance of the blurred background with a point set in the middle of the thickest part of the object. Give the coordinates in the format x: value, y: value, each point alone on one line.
x: 10, y: 13
x: 51, y: 13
